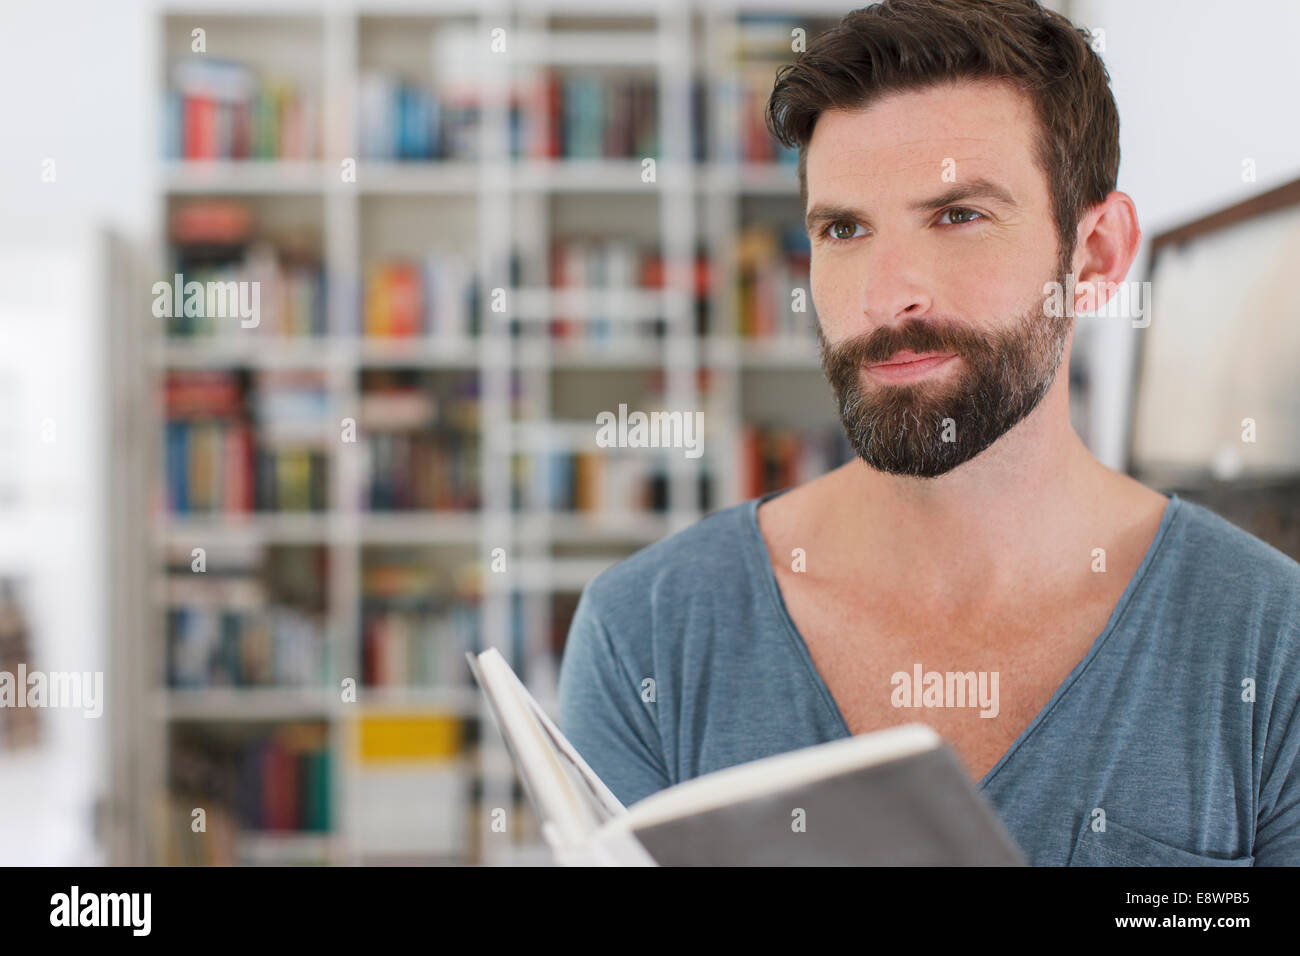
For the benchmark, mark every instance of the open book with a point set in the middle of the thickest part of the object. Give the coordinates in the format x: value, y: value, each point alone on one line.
x: 894, y: 797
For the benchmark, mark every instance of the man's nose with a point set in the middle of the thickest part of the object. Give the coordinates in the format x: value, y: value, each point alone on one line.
x: 896, y: 282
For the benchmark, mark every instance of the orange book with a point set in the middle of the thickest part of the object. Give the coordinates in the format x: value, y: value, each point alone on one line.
x: 583, y: 491
x: 405, y: 303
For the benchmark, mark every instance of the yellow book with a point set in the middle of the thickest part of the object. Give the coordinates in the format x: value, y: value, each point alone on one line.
x: 409, y: 738
x: 377, y: 304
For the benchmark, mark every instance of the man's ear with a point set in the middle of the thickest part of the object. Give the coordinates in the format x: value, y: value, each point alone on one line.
x: 1108, y: 241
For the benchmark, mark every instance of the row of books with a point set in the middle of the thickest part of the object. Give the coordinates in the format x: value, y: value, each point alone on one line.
x: 762, y: 43
x: 213, y: 466
x: 400, y: 120
x: 612, y: 269
x: 275, y: 780
x: 217, y: 843
x: 259, y: 646
x: 772, y: 458
x: 421, y: 440
x: 237, y: 647
x: 597, y: 483
x: 289, y: 300
x: 775, y: 298
x: 246, y: 615
x: 737, y: 123
x: 227, y: 280
x: 436, y: 296
x: 418, y: 400
x: 419, y: 617
x: 422, y: 471
x: 584, y: 114
x: 221, y: 109
x: 418, y: 647
x: 222, y: 456
x: 741, y: 125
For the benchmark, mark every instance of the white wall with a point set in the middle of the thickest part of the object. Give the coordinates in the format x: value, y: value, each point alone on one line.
x: 52, y: 536
x: 75, y: 76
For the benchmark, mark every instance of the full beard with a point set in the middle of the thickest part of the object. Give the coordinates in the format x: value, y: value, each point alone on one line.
x: 927, y: 429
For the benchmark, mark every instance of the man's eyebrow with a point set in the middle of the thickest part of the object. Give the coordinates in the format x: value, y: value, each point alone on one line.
x: 971, y: 189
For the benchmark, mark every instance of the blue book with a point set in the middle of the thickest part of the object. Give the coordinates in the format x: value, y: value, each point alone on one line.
x: 177, y: 441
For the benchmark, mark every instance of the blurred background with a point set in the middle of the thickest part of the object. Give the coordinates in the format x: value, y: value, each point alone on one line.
x: 277, y: 541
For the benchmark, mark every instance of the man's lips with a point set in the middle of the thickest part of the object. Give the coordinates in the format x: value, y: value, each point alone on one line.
x: 907, y: 365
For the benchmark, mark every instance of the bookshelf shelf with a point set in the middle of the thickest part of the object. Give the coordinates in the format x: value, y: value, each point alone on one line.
x: 322, y: 353
x: 245, y: 177
x: 460, y: 700
x: 247, y: 704
x: 584, y: 176
x: 776, y: 179
x: 593, y: 355
x: 416, y: 177
x: 568, y: 528
x: 248, y: 528
x: 417, y: 528
x: 285, y: 849
x: 621, y: 48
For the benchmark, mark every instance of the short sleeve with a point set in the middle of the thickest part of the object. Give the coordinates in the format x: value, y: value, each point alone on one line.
x: 1277, y: 833
x: 602, y: 713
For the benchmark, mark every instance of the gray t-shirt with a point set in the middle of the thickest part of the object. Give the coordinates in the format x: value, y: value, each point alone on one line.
x: 1153, y: 732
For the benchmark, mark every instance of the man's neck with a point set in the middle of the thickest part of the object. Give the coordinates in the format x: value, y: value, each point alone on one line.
x: 1019, y: 515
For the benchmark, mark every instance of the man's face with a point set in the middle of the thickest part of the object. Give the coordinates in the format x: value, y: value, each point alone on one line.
x: 905, y: 267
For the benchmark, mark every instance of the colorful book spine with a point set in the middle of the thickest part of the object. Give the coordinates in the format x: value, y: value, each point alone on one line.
x: 434, y: 297
x: 220, y: 109
x: 774, y: 458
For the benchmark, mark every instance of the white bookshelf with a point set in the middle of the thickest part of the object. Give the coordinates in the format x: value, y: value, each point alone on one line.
x: 393, y: 205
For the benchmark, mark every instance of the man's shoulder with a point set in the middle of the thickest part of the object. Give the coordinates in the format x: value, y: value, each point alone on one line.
x: 1213, y: 545
x: 704, y: 557
x: 1221, y: 572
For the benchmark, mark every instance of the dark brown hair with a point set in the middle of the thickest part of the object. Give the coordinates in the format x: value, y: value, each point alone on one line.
x: 910, y: 44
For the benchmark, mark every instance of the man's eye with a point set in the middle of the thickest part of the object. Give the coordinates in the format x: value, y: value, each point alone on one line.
x: 965, y: 215
x: 841, y: 230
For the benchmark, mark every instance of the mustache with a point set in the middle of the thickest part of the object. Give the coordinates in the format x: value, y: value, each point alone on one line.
x: 914, y: 335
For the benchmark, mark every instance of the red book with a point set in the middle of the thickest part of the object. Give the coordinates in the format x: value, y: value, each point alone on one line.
x: 559, y: 278
x: 201, y: 128
x: 372, y: 664
x: 553, y: 113
x: 238, y: 468
x: 281, y: 787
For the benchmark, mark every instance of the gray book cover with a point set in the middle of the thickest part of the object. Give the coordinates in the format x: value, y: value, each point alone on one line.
x: 920, y: 810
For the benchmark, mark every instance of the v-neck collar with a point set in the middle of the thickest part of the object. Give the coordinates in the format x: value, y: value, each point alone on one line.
x: 758, y: 549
